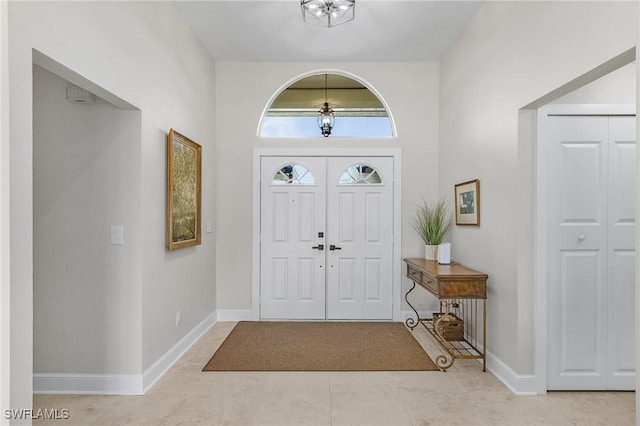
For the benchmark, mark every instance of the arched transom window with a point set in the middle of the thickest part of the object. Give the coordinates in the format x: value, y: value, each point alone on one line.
x: 356, y: 111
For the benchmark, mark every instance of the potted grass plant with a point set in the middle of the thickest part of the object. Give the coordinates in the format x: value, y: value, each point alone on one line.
x: 432, y: 222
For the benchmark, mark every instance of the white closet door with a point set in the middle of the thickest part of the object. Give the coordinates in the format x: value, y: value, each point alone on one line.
x: 591, y: 252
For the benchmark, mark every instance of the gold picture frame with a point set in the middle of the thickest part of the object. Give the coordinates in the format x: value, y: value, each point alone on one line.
x: 184, y: 179
x: 467, y: 196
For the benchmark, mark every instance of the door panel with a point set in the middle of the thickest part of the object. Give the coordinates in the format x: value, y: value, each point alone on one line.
x: 292, y: 278
x: 373, y: 279
x: 621, y: 324
x: 577, y: 254
x: 581, y: 353
x: 372, y: 225
x: 582, y: 185
x: 279, y: 278
x: 621, y: 320
x: 359, y: 270
x: 346, y: 273
x: 622, y: 167
x: 622, y: 183
x: 347, y: 217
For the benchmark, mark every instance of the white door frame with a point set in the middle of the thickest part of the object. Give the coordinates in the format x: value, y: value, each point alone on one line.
x: 541, y: 267
x: 396, y: 153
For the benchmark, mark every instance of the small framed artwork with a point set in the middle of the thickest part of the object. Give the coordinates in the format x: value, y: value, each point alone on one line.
x: 184, y: 161
x: 467, y: 196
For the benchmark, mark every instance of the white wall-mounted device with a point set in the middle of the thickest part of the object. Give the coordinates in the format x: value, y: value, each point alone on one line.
x: 444, y: 253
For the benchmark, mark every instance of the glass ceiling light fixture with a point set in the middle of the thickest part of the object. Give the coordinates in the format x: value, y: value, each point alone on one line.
x: 328, y: 13
x: 326, y: 119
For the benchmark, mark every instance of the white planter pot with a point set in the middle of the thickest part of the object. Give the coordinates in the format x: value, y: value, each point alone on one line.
x: 430, y: 252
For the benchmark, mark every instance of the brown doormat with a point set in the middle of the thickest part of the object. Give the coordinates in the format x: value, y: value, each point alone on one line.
x: 320, y: 346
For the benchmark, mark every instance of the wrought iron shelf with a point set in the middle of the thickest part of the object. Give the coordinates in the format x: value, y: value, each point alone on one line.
x: 457, y: 349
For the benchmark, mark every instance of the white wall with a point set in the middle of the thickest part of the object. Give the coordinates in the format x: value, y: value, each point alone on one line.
x: 86, y: 167
x: 5, y: 335
x: 243, y: 91
x: 145, y: 54
x: 617, y: 87
x: 511, y: 54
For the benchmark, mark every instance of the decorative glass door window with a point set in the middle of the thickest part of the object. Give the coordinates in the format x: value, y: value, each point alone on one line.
x: 293, y: 174
x: 360, y: 174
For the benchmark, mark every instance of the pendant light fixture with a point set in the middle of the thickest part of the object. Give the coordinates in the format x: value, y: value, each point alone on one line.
x: 328, y: 13
x: 326, y: 119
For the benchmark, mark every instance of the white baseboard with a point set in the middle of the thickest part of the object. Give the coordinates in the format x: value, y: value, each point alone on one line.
x: 101, y: 384
x: 120, y: 384
x: 519, y: 384
x: 237, y: 315
x: 162, y: 365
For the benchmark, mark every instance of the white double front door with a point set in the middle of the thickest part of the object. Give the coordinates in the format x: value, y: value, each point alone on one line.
x: 326, y: 237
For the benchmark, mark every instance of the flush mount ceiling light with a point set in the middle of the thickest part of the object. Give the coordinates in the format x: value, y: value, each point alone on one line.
x: 328, y: 13
x: 326, y: 120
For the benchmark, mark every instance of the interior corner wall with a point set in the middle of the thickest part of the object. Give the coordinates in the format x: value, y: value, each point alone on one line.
x: 511, y: 54
x: 152, y: 60
x: 86, y: 176
x: 243, y: 91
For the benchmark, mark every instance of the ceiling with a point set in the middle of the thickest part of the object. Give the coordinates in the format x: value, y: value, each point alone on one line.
x: 273, y: 31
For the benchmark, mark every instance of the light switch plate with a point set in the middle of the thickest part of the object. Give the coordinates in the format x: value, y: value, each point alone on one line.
x: 117, y: 234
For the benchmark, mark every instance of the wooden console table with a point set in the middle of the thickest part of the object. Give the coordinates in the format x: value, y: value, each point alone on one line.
x: 458, y: 289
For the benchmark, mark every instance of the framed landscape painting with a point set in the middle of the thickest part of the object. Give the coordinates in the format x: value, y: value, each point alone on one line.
x: 467, y: 196
x: 184, y: 161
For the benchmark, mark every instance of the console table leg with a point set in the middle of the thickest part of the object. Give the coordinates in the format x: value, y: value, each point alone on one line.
x: 410, y: 322
x: 444, y: 363
x: 484, y: 335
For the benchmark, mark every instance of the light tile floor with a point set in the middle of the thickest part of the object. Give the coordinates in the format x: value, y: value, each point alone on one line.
x: 464, y: 395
